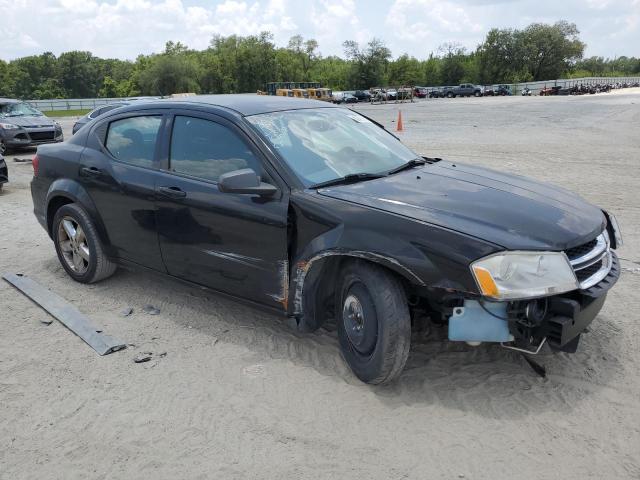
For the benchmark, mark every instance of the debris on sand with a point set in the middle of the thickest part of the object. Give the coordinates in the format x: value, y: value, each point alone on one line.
x: 125, y: 312
x: 150, y: 309
x: 143, y: 357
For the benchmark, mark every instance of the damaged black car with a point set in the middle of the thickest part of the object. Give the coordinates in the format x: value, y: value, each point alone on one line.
x: 318, y: 213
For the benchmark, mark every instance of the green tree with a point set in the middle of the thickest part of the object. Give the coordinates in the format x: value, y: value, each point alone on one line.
x: 405, y: 70
x: 368, y: 66
x: 452, y: 68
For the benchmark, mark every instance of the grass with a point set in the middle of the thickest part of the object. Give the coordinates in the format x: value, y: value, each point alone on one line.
x: 65, y: 113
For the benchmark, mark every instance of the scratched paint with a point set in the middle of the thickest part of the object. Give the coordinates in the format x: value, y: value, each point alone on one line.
x: 303, y: 267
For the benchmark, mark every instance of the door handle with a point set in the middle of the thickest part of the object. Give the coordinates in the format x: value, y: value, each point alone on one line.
x: 93, y: 171
x: 173, y: 192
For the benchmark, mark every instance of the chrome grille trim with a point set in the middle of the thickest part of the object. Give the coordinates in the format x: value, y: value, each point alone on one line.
x: 602, y: 247
x: 600, y: 253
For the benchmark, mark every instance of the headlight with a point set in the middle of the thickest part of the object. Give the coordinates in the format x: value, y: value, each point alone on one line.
x: 520, y: 275
x: 616, y: 229
x: 9, y: 126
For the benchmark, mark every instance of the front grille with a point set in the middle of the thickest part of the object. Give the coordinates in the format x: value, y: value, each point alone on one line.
x: 580, y: 250
x: 591, y: 261
x: 39, y: 136
x: 589, y: 271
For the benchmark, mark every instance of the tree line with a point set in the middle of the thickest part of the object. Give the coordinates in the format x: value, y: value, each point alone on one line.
x: 236, y: 64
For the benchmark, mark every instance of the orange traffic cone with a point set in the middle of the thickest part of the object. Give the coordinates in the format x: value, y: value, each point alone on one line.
x: 399, y: 127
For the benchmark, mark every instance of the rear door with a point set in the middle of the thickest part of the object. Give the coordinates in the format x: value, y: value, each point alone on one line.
x: 119, y: 170
x: 234, y: 243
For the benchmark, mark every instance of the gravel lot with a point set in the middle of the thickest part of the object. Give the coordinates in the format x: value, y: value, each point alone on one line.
x: 239, y: 395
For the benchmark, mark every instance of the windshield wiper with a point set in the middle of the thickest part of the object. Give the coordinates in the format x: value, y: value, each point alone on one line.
x: 405, y: 166
x: 351, y: 178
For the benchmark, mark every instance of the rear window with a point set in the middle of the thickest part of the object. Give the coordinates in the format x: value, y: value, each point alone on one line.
x: 133, y: 140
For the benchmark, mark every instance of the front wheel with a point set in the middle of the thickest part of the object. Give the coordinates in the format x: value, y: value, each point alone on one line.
x: 374, y: 325
x: 78, y: 246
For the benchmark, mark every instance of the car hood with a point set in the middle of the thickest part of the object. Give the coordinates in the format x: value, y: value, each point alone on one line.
x: 507, y: 210
x: 29, y: 121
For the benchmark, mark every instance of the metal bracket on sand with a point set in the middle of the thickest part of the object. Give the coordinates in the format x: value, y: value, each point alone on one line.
x: 67, y: 314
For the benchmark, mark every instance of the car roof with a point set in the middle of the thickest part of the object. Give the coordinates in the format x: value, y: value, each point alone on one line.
x: 252, y: 104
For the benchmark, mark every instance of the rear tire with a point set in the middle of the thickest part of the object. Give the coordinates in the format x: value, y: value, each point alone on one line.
x: 78, y: 246
x: 374, y: 325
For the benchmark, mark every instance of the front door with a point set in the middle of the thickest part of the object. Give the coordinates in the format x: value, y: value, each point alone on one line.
x: 234, y: 243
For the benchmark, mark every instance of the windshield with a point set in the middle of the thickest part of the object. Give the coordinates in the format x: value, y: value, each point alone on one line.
x: 323, y: 144
x: 18, y: 110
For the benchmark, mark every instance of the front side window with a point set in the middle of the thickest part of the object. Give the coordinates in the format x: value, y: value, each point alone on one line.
x: 205, y: 149
x: 323, y: 144
x: 133, y: 140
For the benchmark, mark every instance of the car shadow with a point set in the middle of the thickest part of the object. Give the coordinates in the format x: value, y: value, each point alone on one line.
x: 486, y: 380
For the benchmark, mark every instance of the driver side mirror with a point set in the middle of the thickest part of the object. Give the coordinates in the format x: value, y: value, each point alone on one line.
x: 244, y: 181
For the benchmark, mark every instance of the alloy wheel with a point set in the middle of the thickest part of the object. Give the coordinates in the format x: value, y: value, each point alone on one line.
x: 73, y: 245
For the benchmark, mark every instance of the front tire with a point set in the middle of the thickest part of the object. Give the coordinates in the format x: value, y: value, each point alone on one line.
x: 78, y: 246
x: 374, y: 325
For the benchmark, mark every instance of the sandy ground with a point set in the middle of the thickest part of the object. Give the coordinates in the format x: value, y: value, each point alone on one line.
x: 239, y: 395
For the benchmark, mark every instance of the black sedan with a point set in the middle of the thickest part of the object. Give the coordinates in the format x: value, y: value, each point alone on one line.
x: 23, y: 126
x: 317, y: 213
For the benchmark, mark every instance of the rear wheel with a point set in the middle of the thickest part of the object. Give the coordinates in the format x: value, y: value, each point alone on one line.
x: 374, y: 325
x: 3, y: 148
x: 78, y: 246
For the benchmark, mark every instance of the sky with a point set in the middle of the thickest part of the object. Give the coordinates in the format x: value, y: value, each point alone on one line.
x: 126, y: 28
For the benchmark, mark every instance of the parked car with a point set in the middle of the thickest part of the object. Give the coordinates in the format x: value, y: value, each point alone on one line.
x: 488, y: 91
x: 420, y: 92
x: 4, y: 172
x: 315, y: 212
x: 362, y: 95
x: 464, y: 90
x: 23, y: 126
x: 503, y: 90
x: 447, y: 92
x: 349, y: 98
x: 95, y: 113
x: 343, y: 97
x: 392, y: 94
x: 546, y: 91
x: 436, y: 93
x: 101, y: 110
x: 337, y: 97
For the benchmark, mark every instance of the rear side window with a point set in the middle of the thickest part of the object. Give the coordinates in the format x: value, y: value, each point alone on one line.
x: 206, y: 149
x: 133, y: 140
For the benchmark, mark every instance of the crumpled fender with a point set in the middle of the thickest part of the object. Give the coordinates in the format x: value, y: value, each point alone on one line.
x: 424, y: 255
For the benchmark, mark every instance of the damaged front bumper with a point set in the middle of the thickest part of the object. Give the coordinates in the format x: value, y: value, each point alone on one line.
x: 559, y: 320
